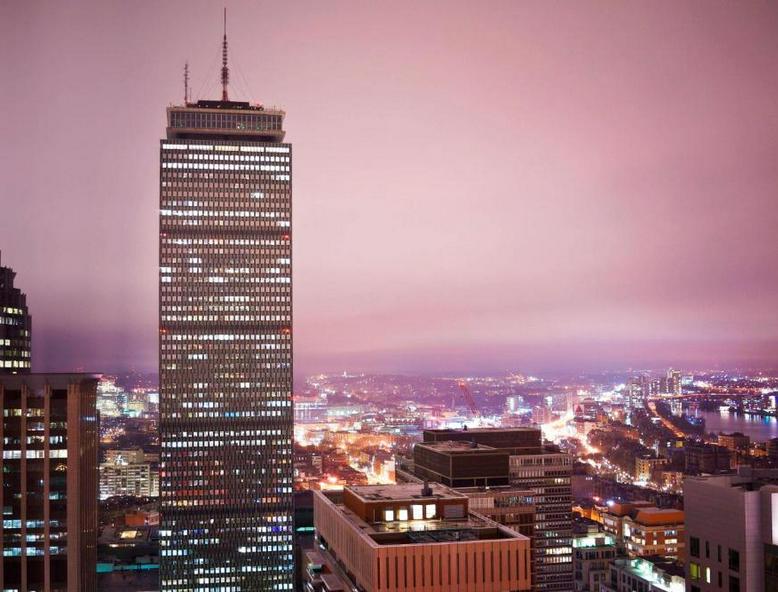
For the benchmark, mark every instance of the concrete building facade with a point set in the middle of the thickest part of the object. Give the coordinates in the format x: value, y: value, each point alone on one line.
x: 732, y: 531
x: 408, y: 538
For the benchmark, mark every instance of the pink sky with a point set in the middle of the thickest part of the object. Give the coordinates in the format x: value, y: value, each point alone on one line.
x: 478, y: 186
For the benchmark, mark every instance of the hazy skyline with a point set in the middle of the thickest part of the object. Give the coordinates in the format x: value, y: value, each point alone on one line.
x: 478, y: 187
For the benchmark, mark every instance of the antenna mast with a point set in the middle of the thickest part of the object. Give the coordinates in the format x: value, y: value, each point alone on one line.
x: 186, y: 83
x: 225, y: 69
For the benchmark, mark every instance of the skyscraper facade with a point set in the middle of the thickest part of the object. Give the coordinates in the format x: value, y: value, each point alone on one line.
x: 15, y: 326
x: 48, y: 438
x: 225, y: 293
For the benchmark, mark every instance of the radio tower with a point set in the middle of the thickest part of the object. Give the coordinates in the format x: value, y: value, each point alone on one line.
x: 225, y: 69
x: 186, y: 83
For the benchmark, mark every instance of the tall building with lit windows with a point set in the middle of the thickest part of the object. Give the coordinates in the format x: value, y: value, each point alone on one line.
x: 225, y: 326
x: 15, y: 326
x: 49, y: 494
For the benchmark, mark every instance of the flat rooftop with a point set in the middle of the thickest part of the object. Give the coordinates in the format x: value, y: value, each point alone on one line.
x: 410, y: 492
x: 37, y: 380
x: 660, y: 573
x: 468, y: 528
x: 746, y: 479
x: 484, y: 430
x: 658, y: 516
x: 229, y: 106
x: 457, y: 446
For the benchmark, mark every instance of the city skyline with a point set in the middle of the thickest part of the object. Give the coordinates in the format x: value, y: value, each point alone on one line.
x: 531, y: 187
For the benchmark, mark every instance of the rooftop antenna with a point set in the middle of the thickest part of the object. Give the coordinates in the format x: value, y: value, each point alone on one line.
x: 225, y: 69
x: 186, y: 83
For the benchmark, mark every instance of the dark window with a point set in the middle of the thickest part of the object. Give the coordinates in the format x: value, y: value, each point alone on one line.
x: 734, y: 561
x: 734, y: 584
x: 707, y: 550
x: 694, y: 546
x: 695, y: 588
x: 719, y: 553
x: 771, y: 568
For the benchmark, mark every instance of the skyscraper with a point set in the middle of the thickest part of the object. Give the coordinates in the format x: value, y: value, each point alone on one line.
x: 225, y: 347
x: 49, y: 493
x: 15, y: 326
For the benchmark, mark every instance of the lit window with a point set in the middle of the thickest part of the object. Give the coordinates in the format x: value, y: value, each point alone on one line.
x: 389, y: 515
x: 429, y: 511
x: 417, y: 510
x: 402, y: 514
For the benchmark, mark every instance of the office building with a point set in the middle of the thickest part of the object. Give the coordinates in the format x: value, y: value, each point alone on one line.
x: 508, y: 505
x: 49, y: 495
x: 461, y: 464
x: 591, y: 556
x: 732, y: 531
x: 412, y: 538
x: 533, y: 467
x: 128, y: 472
x: 480, y: 472
x: 225, y: 347
x: 15, y: 326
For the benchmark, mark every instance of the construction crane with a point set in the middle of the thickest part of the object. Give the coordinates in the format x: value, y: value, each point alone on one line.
x: 469, y: 398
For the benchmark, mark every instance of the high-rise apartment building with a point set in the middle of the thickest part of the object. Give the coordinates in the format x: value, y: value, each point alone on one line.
x: 15, y: 326
x: 225, y: 348
x: 49, y: 496
x: 534, y: 467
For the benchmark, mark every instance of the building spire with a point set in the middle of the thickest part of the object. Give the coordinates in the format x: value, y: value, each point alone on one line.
x: 225, y: 69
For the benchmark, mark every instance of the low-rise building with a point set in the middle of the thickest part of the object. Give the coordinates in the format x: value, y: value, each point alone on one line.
x: 614, y: 513
x: 646, y: 465
x: 655, y: 531
x: 591, y: 556
x: 641, y: 529
x: 406, y: 537
x: 735, y: 441
x: 706, y: 458
x: 644, y: 574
